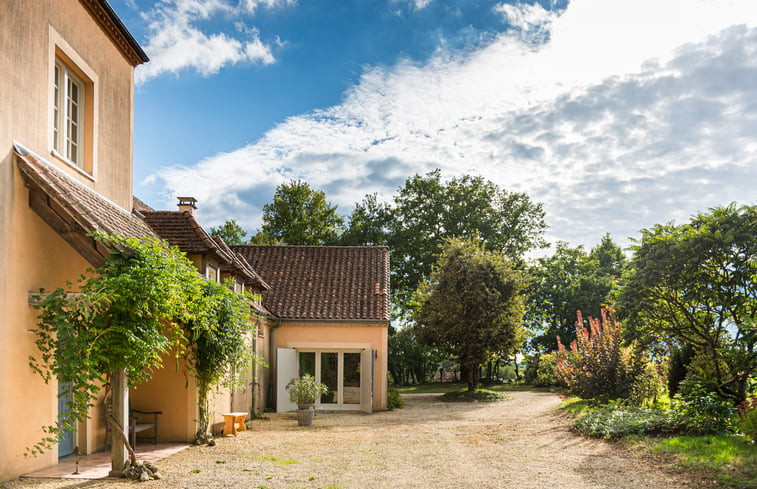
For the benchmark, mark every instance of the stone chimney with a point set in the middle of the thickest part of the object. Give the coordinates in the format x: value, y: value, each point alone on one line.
x: 188, y: 204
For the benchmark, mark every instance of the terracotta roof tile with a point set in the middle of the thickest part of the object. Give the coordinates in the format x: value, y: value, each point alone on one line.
x: 181, y: 229
x: 140, y: 206
x: 91, y: 210
x: 239, y: 266
x: 323, y: 282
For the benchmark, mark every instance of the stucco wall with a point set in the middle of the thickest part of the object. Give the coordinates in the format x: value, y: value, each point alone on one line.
x: 341, y: 336
x: 35, y: 256
x: 32, y: 255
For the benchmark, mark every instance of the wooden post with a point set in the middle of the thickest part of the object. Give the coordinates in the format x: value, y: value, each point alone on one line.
x: 120, y: 389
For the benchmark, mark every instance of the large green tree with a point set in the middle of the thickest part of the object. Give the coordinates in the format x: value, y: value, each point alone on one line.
x: 471, y: 306
x: 428, y: 210
x: 369, y: 223
x: 299, y: 215
x: 231, y: 232
x: 697, y: 283
x: 567, y: 281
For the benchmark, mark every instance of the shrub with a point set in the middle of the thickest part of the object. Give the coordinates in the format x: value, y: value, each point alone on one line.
x: 702, y: 412
x: 599, y: 367
x: 479, y: 395
x: 545, y: 371
x: 541, y: 370
x: 649, y: 384
x: 748, y: 417
x: 529, y: 374
x: 614, y: 422
x: 679, y: 360
x: 393, y: 399
x: 305, y: 390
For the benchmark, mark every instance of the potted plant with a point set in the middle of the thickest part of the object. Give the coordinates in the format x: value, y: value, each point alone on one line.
x: 304, y: 393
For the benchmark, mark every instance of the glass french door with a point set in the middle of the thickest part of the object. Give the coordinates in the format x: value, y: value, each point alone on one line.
x: 339, y: 370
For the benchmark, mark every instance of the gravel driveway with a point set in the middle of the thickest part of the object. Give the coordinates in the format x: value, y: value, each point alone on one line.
x: 520, y: 443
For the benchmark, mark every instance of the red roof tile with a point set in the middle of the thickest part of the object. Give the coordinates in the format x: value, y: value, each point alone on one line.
x: 92, y: 211
x: 181, y: 229
x: 323, y: 282
x: 239, y: 266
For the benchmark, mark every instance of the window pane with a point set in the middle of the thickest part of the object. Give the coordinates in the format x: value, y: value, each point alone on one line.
x: 329, y: 365
x: 307, y: 363
x: 56, y: 109
x: 351, y: 383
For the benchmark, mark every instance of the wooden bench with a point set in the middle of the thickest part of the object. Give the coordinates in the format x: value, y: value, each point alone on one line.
x: 138, y: 421
x: 232, y: 420
x: 142, y: 421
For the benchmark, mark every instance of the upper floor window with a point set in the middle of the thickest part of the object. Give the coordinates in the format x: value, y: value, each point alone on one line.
x: 73, y: 107
x: 69, y: 114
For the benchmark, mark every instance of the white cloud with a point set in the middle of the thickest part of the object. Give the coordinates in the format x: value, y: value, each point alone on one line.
x: 175, y: 42
x: 414, y: 4
x: 633, y: 113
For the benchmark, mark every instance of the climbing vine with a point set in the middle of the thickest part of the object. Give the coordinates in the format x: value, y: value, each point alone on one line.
x: 219, y: 347
x: 126, y: 314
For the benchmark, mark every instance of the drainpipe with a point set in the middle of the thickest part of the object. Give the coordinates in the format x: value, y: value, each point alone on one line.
x: 255, y: 385
x: 273, y: 388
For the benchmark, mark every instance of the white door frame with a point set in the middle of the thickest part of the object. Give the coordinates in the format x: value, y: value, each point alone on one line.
x: 339, y: 405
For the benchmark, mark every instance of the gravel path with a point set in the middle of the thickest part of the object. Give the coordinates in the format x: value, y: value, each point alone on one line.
x: 520, y: 443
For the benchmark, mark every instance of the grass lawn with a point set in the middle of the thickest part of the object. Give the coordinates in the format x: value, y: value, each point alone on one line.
x: 728, y: 459
x: 731, y: 460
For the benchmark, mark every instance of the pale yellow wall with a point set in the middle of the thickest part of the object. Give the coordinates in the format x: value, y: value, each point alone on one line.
x: 263, y: 368
x: 341, y: 336
x: 29, y: 31
x: 173, y: 393
x: 32, y: 255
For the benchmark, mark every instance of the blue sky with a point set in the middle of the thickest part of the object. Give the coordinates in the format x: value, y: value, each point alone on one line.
x: 616, y: 114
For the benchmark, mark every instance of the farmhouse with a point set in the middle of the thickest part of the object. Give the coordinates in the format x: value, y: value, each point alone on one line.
x: 66, y: 170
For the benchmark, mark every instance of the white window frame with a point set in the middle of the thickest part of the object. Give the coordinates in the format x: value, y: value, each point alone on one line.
x: 69, y: 114
x: 71, y: 66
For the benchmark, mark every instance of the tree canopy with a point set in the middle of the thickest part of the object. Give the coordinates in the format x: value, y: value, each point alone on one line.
x: 471, y: 306
x: 567, y: 281
x: 697, y: 283
x: 427, y: 211
x: 231, y: 232
x: 299, y: 215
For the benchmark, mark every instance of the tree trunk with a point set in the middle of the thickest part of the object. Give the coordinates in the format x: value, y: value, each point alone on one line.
x: 119, y: 422
x: 203, y: 411
x: 517, y: 371
x: 474, y: 376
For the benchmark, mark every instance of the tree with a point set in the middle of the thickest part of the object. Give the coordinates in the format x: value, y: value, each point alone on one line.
x: 369, y: 224
x: 231, y: 232
x: 471, y: 305
x: 697, y: 283
x: 409, y: 360
x: 565, y: 282
x: 300, y: 215
x: 427, y: 211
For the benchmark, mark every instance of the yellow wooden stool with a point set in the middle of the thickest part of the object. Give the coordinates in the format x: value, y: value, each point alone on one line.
x: 232, y: 420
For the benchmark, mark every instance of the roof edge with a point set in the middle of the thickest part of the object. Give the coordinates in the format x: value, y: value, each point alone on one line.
x: 109, y: 21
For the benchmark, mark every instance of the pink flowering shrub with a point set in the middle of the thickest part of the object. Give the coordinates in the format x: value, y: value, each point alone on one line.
x: 599, y: 367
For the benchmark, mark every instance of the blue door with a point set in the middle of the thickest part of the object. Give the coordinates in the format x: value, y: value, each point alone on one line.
x: 65, y: 445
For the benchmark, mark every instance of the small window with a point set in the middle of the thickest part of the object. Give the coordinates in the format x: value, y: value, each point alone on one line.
x: 69, y: 114
x: 211, y: 273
